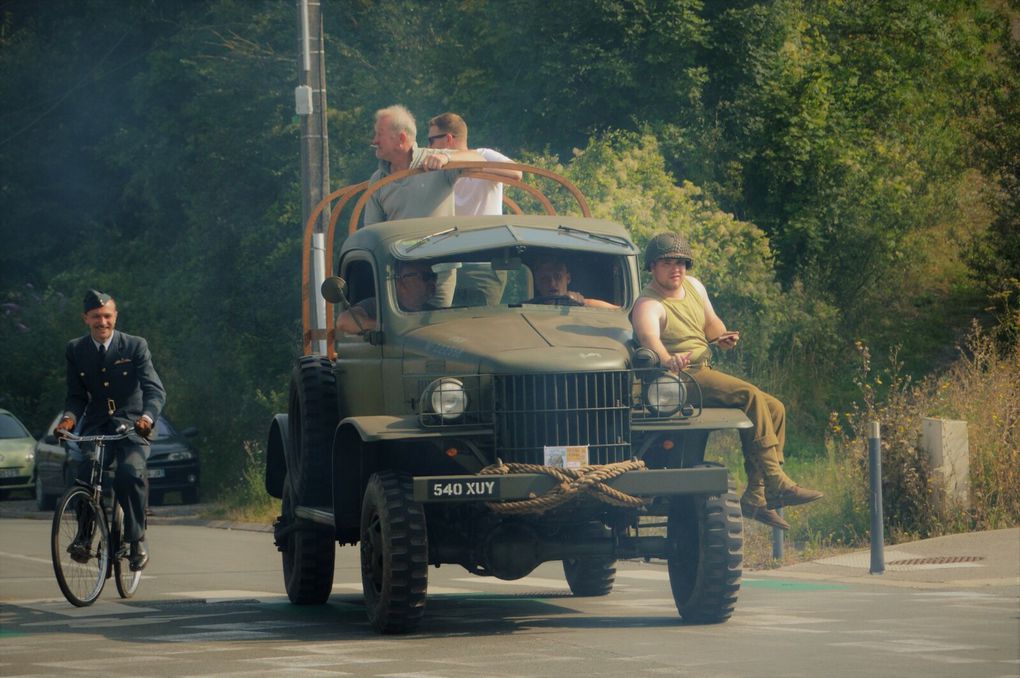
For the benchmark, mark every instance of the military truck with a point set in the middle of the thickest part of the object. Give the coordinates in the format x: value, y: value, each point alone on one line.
x: 497, y: 429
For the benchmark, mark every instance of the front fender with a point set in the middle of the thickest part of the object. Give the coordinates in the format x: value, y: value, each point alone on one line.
x: 277, y: 455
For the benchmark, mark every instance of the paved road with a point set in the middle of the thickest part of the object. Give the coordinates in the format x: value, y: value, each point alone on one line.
x: 212, y: 603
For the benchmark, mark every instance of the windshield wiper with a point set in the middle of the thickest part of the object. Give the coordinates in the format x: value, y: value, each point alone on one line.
x: 611, y: 239
x: 424, y: 240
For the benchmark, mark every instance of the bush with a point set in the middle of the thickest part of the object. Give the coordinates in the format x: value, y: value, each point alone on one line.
x: 982, y: 388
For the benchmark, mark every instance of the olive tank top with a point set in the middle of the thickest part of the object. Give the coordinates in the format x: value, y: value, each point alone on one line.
x: 685, y: 323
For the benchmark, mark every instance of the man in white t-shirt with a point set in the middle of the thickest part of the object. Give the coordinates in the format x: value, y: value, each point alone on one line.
x: 473, y: 196
x: 448, y: 131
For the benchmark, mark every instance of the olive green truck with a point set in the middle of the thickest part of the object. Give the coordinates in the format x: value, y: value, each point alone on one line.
x: 497, y: 428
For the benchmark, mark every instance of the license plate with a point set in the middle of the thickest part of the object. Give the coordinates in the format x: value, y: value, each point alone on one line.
x: 157, y: 473
x: 467, y: 489
x: 8, y: 473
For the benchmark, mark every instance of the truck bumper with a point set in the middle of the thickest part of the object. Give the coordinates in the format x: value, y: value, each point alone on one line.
x: 648, y: 483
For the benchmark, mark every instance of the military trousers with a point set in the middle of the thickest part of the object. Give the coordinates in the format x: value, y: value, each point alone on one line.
x: 128, y: 483
x: 766, y: 412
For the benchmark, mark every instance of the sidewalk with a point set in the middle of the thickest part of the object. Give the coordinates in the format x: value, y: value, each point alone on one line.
x: 974, y: 559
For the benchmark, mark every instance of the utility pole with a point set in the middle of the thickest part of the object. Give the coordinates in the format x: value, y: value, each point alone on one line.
x: 310, y: 105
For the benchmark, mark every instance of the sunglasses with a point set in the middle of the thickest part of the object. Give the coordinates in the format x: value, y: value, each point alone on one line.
x: 432, y: 139
x: 426, y: 277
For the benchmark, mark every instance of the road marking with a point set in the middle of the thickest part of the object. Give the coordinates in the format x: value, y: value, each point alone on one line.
x: 228, y: 595
x: 65, y: 609
x: 31, y: 559
x: 534, y: 582
x: 646, y: 575
x: 433, y: 590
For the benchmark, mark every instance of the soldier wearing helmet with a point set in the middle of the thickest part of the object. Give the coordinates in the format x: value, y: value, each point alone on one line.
x: 674, y: 317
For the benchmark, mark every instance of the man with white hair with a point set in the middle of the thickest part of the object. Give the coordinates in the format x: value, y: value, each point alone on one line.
x: 427, y: 194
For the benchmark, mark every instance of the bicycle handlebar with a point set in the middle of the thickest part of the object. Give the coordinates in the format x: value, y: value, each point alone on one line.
x: 122, y: 432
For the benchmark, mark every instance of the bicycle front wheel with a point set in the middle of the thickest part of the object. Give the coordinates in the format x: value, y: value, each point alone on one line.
x: 80, y: 547
x: 127, y: 581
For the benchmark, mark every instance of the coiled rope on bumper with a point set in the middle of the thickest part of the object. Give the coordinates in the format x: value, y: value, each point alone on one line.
x: 572, y: 483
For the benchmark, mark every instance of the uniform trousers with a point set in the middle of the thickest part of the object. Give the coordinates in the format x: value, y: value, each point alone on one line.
x: 128, y: 483
x: 766, y: 412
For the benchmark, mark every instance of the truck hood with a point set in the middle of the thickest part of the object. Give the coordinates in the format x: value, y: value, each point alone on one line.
x: 541, y: 342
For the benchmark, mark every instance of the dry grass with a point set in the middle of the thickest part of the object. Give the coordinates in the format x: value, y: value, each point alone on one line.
x: 982, y: 388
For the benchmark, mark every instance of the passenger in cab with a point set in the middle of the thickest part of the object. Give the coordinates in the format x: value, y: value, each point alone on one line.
x: 552, y: 280
x: 415, y: 283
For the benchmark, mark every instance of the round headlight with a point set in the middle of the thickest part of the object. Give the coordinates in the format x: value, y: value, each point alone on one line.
x: 446, y: 397
x: 665, y: 395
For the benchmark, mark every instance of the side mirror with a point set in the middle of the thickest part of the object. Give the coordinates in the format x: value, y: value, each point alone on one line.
x: 334, y: 290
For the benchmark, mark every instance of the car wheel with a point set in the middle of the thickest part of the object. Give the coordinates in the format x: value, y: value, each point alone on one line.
x: 394, y: 554
x: 706, y: 554
x: 43, y: 501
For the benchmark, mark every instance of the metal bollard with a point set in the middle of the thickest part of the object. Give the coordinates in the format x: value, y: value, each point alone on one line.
x: 875, y: 473
x: 778, y: 539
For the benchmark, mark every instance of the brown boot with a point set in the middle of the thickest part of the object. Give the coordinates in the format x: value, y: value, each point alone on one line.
x: 753, y: 505
x: 780, y: 490
x: 763, y: 514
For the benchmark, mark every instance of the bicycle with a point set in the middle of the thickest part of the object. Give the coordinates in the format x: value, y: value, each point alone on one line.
x: 86, y: 540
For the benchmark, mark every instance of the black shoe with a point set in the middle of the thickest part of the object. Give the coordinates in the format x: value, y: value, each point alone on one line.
x: 122, y: 552
x: 139, y: 557
x: 79, y: 551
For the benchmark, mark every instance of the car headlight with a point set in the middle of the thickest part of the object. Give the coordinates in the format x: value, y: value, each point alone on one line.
x: 179, y: 455
x: 665, y: 395
x: 446, y: 398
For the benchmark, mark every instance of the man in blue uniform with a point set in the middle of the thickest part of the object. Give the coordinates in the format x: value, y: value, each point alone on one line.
x: 111, y: 382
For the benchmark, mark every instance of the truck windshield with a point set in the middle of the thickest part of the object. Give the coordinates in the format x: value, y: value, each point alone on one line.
x: 512, y: 277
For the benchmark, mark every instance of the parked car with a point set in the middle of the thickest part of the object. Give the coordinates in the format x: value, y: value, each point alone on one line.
x: 173, y: 465
x: 17, y: 450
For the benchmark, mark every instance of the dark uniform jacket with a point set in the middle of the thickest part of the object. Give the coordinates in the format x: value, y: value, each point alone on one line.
x: 116, y: 392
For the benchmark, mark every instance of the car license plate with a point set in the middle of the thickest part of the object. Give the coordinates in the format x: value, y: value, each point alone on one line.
x: 467, y: 489
x: 8, y: 473
x: 157, y: 473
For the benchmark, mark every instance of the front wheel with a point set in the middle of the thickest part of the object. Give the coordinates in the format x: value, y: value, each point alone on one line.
x: 706, y: 554
x: 127, y: 580
x: 80, y: 547
x: 394, y: 554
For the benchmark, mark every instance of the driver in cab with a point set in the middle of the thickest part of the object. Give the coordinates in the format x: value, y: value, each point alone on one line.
x: 552, y: 280
x: 416, y: 284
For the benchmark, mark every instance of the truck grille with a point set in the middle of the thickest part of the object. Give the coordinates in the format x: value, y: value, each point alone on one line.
x: 532, y: 411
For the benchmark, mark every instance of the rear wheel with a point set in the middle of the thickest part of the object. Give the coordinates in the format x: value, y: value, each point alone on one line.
x: 313, y: 417
x: 394, y: 554
x: 79, y: 547
x: 706, y: 555
x: 127, y: 581
x: 309, y: 556
x: 590, y: 576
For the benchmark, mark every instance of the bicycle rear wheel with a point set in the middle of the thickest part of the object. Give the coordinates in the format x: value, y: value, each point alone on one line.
x: 80, y: 547
x: 127, y: 581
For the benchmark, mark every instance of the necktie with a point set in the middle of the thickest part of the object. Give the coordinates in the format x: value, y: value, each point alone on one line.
x: 102, y: 352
